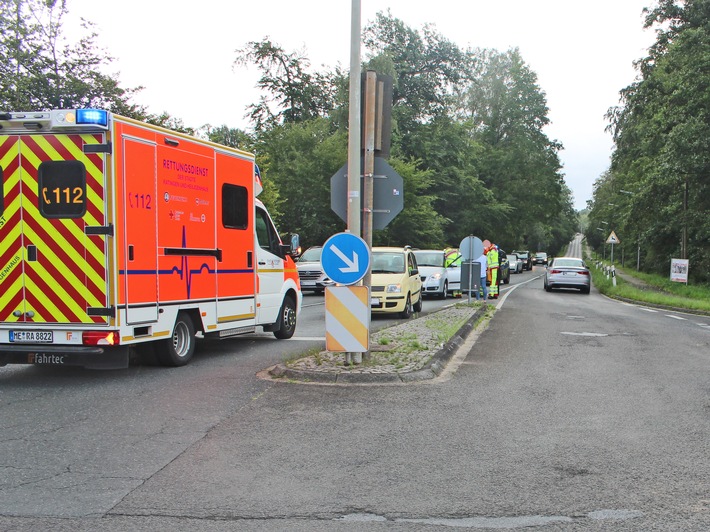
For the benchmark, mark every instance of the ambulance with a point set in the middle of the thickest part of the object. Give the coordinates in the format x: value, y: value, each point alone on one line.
x: 119, y: 238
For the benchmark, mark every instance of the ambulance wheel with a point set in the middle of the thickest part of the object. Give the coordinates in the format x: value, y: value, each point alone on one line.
x: 179, y: 348
x: 287, y: 320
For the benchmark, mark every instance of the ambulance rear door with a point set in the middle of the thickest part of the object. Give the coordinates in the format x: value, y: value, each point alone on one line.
x: 53, y: 231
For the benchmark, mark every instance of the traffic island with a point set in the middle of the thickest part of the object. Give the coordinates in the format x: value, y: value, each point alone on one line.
x: 416, y: 350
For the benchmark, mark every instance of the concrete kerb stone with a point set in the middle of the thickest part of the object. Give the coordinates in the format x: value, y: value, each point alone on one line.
x: 431, y: 370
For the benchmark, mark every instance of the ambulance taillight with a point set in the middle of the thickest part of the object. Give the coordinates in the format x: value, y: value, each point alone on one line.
x: 100, y: 338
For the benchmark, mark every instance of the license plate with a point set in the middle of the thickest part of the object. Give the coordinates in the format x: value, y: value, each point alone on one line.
x: 374, y: 302
x: 35, y: 337
x: 308, y: 283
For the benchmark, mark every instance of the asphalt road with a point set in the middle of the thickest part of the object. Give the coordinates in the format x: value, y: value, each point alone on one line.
x: 567, y: 412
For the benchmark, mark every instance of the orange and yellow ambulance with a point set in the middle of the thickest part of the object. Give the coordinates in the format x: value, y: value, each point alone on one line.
x: 120, y: 237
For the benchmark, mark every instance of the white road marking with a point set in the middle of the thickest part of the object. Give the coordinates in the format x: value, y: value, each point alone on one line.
x: 583, y: 333
x: 509, y: 290
x: 675, y: 317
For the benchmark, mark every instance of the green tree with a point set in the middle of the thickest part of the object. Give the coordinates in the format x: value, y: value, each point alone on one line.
x: 40, y: 70
x: 291, y: 92
x: 518, y: 163
x: 662, y: 135
x: 300, y: 158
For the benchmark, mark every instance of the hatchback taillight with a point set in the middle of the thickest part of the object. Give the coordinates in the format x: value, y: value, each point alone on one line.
x: 583, y: 273
x: 553, y: 272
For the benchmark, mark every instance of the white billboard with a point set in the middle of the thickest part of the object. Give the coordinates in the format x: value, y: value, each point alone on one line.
x: 679, y: 270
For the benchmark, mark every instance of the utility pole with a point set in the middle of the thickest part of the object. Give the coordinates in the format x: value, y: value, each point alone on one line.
x: 354, y: 206
x: 684, y: 243
x: 354, y: 202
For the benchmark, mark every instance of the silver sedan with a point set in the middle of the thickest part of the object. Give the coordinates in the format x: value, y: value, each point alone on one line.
x: 567, y: 272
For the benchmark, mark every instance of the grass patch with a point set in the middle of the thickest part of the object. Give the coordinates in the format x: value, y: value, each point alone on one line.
x: 662, y: 291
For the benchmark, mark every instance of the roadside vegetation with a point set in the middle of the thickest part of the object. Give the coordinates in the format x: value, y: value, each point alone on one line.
x: 468, y: 126
x: 651, y: 289
x: 404, y: 347
x: 656, y: 194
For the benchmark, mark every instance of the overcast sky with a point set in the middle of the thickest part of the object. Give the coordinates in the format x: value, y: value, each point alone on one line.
x: 182, y: 52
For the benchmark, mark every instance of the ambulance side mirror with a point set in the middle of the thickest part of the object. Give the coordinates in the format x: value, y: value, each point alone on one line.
x: 294, y: 248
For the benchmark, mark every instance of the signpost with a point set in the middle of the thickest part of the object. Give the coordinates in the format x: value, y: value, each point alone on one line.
x: 387, y: 194
x: 345, y: 258
x: 613, y: 239
x: 470, y: 248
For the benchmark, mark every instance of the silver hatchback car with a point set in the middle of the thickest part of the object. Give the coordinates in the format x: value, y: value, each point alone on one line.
x: 567, y: 272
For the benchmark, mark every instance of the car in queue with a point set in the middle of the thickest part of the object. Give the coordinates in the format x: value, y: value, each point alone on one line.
x: 453, y: 268
x: 516, y: 265
x: 526, y: 258
x: 567, y: 272
x: 540, y: 258
x: 433, y: 271
x: 396, y: 285
x: 310, y: 271
x: 503, y: 267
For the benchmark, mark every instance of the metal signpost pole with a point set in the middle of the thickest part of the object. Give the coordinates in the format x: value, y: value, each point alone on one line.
x: 354, y: 206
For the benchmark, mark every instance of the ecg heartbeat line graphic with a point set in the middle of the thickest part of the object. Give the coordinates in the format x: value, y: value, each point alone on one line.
x: 183, y: 270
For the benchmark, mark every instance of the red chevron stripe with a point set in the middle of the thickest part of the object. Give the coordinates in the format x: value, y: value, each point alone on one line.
x: 11, y: 196
x: 14, y: 304
x: 70, y: 240
x: 11, y: 252
x: 47, y: 293
x: 76, y: 271
x: 12, y: 167
x: 96, y: 187
x: 8, y: 144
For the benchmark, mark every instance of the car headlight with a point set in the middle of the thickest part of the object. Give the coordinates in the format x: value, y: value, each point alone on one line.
x: 394, y: 288
x: 435, y: 276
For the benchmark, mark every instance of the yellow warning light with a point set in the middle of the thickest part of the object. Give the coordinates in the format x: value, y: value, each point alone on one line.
x: 71, y: 117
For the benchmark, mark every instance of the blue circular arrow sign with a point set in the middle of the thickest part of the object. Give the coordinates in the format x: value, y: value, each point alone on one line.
x: 345, y: 258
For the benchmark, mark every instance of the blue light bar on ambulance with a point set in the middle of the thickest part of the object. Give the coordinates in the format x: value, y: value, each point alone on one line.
x: 92, y: 116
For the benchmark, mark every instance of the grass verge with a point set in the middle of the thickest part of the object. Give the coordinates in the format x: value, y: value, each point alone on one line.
x: 651, y: 289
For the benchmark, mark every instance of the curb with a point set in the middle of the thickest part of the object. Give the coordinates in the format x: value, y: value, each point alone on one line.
x: 431, y: 370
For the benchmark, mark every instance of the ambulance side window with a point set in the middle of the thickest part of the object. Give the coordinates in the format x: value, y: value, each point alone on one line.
x: 265, y: 232
x: 62, y: 189
x: 235, y: 207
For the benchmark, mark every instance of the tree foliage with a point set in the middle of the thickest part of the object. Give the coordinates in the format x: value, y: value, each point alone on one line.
x: 657, y: 191
x: 467, y: 135
x: 291, y: 93
x: 40, y: 70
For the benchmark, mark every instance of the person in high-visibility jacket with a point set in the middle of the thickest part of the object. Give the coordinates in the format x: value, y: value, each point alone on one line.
x: 493, y: 266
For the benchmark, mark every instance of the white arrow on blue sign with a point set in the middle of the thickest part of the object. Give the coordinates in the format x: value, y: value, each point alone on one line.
x: 345, y: 258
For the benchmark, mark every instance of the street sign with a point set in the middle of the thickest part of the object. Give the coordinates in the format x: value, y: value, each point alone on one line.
x: 613, y: 239
x: 471, y: 248
x: 387, y: 193
x: 345, y: 258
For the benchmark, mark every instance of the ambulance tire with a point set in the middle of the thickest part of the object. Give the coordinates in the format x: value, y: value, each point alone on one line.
x: 179, y: 348
x: 287, y: 320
